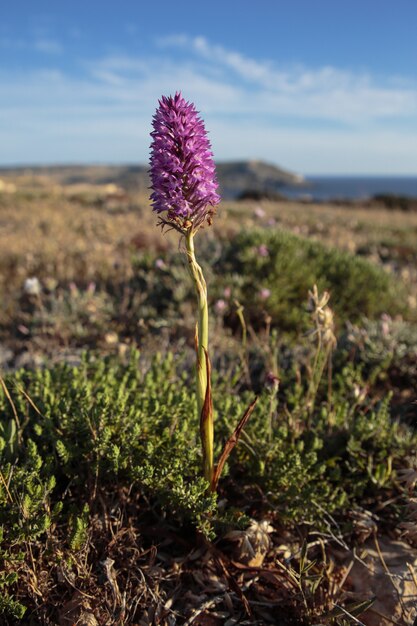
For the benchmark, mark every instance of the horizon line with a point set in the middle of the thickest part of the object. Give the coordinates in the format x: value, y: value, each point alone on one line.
x: 47, y: 164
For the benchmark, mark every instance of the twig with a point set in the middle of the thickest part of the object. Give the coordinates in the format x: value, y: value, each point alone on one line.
x: 413, y: 574
x: 384, y: 565
x: 388, y: 619
x: 203, y: 607
x: 8, y: 396
x: 357, y: 621
x: 6, y: 486
x: 234, y: 586
x: 29, y: 399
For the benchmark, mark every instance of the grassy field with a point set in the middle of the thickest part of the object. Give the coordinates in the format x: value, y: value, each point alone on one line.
x: 105, y: 518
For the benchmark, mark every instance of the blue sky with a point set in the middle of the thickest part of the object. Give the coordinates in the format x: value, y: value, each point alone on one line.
x: 316, y: 86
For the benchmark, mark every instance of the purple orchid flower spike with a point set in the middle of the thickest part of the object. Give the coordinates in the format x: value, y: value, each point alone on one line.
x: 182, y: 172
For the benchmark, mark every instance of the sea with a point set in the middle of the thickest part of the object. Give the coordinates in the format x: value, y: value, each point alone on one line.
x: 325, y: 188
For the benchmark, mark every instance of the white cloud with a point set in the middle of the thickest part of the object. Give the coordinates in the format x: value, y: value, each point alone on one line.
x: 326, y: 92
x: 311, y: 151
x: 309, y: 119
x: 48, y: 46
x: 39, y: 44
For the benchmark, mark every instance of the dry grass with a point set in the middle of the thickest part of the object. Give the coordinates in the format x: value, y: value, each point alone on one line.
x: 66, y: 237
x: 82, y: 232
x: 349, y: 227
x: 87, y: 219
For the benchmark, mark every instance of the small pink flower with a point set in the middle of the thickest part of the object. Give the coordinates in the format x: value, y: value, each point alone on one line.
x: 264, y: 293
x: 91, y: 288
x: 220, y: 306
x: 160, y: 264
x: 73, y: 289
x: 271, y: 381
x: 227, y: 292
x: 262, y: 250
x: 386, y: 322
x: 259, y: 212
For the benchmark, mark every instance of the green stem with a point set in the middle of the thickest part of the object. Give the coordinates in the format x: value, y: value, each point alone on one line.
x: 206, y: 422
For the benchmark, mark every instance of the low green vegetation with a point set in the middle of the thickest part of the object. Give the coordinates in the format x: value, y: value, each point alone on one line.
x: 74, y: 436
x: 288, y: 265
x: 268, y: 272
x: 284, y: 264
x: 101, y: 460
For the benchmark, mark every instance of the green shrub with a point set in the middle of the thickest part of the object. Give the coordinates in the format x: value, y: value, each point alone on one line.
x: 86, y: 432
x: 293, y: 265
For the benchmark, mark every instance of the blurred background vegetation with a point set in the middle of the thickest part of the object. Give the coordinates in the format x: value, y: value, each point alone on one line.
x: 93, y: 445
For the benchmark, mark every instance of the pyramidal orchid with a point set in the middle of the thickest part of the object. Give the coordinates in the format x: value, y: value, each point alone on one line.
x: 182, y: 167
x: 184, y: 195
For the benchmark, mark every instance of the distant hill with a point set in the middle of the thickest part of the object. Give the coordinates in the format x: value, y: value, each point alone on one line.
x: 235, y: 177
